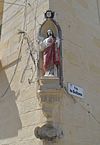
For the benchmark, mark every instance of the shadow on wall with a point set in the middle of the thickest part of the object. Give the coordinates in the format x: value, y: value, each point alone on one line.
x: 10, y: 121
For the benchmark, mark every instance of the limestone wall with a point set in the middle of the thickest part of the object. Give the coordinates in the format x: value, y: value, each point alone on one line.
x: 20, y: 111
x: 79, y: 21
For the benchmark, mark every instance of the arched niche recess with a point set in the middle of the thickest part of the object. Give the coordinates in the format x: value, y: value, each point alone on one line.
x: 50, y: 23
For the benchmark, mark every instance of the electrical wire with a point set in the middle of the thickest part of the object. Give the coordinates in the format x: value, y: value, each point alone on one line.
x: 14, y: 70
x: 20, y: 49
x: 23, y: 73
x: 25, y: 16
x: 16, y: 12
x: 31, y: 48
x: 33, y: 59
x: 13, y: 16
x: 35, y: 17
x: 9, y: 6
x: 28, y: 59
x: 88, y: 111
x: 11, y: 3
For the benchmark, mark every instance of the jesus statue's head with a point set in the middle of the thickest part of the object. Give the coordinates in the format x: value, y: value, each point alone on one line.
x: 50, y: 33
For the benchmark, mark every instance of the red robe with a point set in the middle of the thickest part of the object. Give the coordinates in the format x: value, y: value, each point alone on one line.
x: 51, y: 54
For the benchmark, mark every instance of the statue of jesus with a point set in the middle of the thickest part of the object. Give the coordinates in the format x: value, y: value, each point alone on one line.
x: 51, y: 54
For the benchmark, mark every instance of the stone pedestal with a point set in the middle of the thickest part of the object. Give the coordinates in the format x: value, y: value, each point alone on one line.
x: 50, y: 93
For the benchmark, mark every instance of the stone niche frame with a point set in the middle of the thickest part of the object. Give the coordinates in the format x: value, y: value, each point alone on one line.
x: 50, y: 23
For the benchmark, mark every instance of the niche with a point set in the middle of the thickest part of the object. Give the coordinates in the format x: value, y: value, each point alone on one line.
x: 50, y: 24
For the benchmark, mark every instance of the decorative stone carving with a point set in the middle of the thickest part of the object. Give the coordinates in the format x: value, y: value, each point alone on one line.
x: 50, y: 94
x: 48, y: 132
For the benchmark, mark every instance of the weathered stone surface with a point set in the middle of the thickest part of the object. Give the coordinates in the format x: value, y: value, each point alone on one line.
x: 20, y: 111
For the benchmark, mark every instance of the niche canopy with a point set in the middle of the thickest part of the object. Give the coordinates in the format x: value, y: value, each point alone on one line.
x: 49, y: 23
